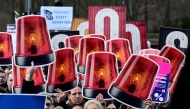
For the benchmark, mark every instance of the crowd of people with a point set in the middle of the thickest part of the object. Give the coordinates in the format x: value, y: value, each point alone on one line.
x: 72, y: 99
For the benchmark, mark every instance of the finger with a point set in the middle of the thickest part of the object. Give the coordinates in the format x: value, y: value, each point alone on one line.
x: 149, y: 99
x: 101, y: 97
x: 56, y: 91
x: 145, y: 103
x: 32, y: 64
x: 59, y: 90
x: 56, y: 94
x: 97, y: 97
x: 148, y: 103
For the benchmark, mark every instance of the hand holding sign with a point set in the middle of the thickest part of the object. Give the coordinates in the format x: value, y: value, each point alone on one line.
x: 148, y: 102
x: 160, y: 89
x: 30, y: 71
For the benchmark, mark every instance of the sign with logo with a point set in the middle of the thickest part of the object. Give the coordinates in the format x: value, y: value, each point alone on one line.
x: 136, y: 34
x: 58, y: 38
x: 107, y: 20
x: 58, y: 18
x: 175, y: 37
x: 160, y: 86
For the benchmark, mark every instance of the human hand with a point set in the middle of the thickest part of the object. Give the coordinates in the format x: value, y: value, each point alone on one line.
x: 30, y: 72
x: 59, y: 95
x: 100, y: 98
x: 148, y: 103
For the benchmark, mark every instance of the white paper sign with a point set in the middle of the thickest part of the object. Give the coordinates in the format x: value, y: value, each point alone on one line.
x: 11, y: 28
x: 58, y: 18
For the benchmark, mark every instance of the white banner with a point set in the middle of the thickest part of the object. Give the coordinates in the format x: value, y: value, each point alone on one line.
x: 11, y: 28
x: 58, y: 18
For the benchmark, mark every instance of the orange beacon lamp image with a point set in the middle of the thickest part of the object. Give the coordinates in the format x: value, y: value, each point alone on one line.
x: 88, y: 45
x: 121, y: 48
x: 97, y: 35
x: 157, y: 58
x: 149, y: 51
x: 62, y: 73
x: 134, y: 83
x: 176, y: 58
x: 173, y: 85
x: 6, y: 49
x: 101, y: 71
x: 19, y: 76
x: 80, y: 75
x: 73, y: 42
x: 33, y: 41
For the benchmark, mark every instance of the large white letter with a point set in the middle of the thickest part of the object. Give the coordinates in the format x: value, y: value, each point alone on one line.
x: 135, y: 34
x: 82, y: 27
x: 171, y: 37
x: 57, y: 39
x: 114, y: 22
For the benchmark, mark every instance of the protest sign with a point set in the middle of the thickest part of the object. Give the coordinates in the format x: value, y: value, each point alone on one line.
x: 16, y: 101
x: 107, y: 20
x: 175, y: 37
x: 58, y: 38
x: 160, y: 87
x: 58, y: 18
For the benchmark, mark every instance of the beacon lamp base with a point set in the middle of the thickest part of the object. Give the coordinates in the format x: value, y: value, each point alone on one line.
x: 126, y: 98
x: 38, y: 60
x: 5, y: 61
x: 64, y: 87
x: 37, y: 89
x: 92, y: 93
x: 81, y: 69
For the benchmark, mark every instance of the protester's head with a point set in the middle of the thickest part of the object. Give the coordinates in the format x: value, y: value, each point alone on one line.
x: 58, y: 107
x: 75, y: 95
x: 9, y: 81
x: 49, y: 103
x: 77, y: 107
x: 111, y: 104
x: 2, y: 76
x: 93, y: 104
